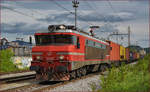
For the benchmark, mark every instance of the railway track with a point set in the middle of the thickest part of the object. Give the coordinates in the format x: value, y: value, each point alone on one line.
x: 35, y: 86
x: 40, y: 86
x: 8, y: 78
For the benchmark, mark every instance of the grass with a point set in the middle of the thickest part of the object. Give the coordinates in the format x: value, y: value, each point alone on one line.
x: 6, y: 62
x: 127, y: 78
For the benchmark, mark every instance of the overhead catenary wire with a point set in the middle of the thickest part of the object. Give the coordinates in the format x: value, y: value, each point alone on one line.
x: 59, y: 5
x: 85, y: 19
x: 89, y: 23
x: 96, y: 11
x: 106, y: 20
x: 19, y: 12
x: 12, y: 9
x: 26, y: 7
x: 114, y: 10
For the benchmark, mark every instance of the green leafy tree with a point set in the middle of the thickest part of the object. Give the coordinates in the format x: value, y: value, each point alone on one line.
x: 6, y: 64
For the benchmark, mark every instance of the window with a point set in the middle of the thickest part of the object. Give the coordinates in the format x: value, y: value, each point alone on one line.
x: 103, y: 46
x: 89, y: 43
x: 86, y: 42
x: 95, y: 44
x: 78, y: 42
x: 98, y: 45
x: 54, y: 39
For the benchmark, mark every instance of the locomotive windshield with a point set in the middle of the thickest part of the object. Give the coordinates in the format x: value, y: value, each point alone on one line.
x: 54, y: 39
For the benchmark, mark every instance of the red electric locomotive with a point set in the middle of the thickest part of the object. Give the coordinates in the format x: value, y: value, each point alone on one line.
x: 63, y: 52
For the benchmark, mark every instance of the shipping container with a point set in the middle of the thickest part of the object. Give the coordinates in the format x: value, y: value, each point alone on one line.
x: 122, y: 53
x: 127, y: 54
x: 138, y: 56
x: 134, y: 55
x: 114, y: 51
x: 131, y: 55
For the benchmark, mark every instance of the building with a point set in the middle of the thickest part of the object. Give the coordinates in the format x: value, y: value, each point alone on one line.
x: 4, y: 44
x: 19, y: 47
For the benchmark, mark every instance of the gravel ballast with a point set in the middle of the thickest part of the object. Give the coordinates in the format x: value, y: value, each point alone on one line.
x: 79, y: 85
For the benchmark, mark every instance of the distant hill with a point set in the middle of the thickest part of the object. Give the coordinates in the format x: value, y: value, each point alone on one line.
x: 135, y: 48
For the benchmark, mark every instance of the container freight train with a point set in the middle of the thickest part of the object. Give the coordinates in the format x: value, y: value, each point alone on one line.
x: 62, y: 53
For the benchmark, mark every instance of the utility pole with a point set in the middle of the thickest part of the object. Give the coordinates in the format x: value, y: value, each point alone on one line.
x: 75, y: 5
x: 128, y: 36
x: 117, y: 34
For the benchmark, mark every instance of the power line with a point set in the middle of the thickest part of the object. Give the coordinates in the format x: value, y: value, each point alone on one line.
x: 67, y: 10
x: 26, y: 7
x: 113, y: 9
x: 59, y: 5
x: 106, y: 20
x: 18, y: 12
x: 96, y: 11
x: 38, y: 12
x: 115, y: 12
x: 84, y: 18
x: 111, y: 6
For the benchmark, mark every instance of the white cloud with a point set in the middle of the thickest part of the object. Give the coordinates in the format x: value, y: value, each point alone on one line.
x: 29, y: 19
x: 124, y: 15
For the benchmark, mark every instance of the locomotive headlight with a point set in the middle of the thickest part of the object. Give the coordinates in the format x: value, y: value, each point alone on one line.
x: 38, y: 57
x: 61, y: 57
x: 62, y: 27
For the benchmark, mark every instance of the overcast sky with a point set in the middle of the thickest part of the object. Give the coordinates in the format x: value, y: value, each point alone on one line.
x: 24, y: 18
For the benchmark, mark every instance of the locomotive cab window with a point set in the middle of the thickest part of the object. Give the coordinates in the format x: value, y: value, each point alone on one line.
x: 54, y: 39
x: 78, y: 42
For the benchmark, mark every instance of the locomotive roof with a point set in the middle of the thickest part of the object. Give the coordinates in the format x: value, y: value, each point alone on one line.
x: 73, y: 31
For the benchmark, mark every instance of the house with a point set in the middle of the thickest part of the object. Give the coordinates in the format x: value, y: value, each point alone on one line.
x: 4, y: 44
x: 19, y: 47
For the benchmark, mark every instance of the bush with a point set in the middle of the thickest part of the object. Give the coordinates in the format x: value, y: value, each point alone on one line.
x: 127, y: 78
x: 6, y: 64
